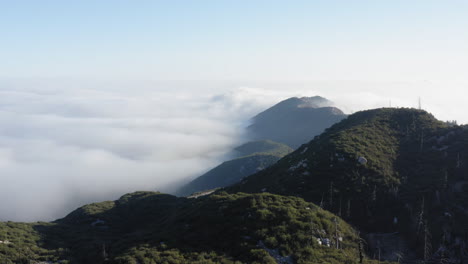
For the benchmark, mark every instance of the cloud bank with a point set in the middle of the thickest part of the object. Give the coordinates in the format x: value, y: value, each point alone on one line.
x: 62, y: 146
x: 67, y: 143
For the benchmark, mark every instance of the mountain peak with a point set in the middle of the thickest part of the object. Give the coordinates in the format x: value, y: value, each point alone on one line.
x: 295, y: 121
x: 314, y: 102
x: 297, y: 102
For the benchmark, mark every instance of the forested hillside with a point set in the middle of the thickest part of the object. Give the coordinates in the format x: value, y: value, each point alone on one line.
x: 384, y: 170
x: 146, y: 227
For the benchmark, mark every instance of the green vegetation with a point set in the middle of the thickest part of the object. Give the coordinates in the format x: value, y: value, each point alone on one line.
x: 393, y: 173
x: 265, y: 147
x: 255, y: 156
x: 147, y: 227
x: 21, y: 242
x: 381, y: 166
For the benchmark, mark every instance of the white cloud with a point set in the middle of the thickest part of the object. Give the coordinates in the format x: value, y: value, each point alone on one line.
x: 67, y: 143
x: 62, y: 147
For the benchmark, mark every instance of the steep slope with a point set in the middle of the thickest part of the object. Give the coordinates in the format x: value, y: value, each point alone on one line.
x: 263, y: 146
x: 146, y: 227
x: 254, y: 156
x: 295, y: 121
x: 385, y: 170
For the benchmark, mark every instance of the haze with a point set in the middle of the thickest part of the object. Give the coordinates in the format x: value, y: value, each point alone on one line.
x: 88, y: 113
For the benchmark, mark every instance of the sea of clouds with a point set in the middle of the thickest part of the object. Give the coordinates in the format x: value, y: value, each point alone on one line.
x: 65, y: 143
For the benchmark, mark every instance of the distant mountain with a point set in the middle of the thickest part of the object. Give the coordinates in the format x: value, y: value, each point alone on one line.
x: 252, y: 157
x: 147, y: 227
x: 295, y: 121
x: 397, y: 172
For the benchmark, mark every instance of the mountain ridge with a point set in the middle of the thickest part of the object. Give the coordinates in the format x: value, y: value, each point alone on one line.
x: 398, y: 175
x: 254, y: 156
x: 384, y: 170
x: 307, y: 116
x: 150, y: 227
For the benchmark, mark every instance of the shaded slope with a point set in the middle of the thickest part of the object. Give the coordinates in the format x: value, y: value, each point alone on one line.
x: 295, y: 121
x: 414, y: 181
x: 263, y: 146
x: 255, y: 156
x: 146, y: 227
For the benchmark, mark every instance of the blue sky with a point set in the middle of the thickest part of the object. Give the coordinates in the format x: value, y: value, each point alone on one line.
x: 234, y: 40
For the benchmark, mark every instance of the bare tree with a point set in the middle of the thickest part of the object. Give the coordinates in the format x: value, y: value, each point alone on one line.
x: 445, y: 182
x: 420, y: 220
x: 339, y: 210
x: 348, y: 210
x: 336, y: 233
x: 374, y: 194
x: 421, y: 142
x: 321, y: 201
x: 361, y: 253
x: 399, y: 256
x: 427, y: 243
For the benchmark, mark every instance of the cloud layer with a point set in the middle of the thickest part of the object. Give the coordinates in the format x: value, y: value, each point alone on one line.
x: 62, y: 146
x: 67, y: 143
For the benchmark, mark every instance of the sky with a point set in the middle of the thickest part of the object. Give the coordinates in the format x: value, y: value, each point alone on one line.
x: 235, y: 40
x: 101, y: 98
